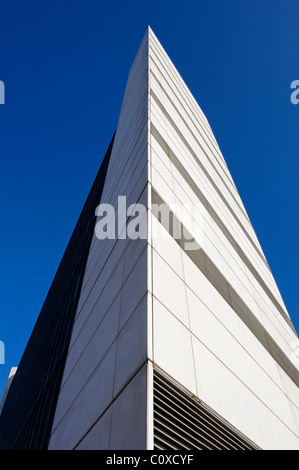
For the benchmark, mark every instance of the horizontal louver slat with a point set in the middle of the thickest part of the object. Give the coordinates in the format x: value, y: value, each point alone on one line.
x: 201, y: 420
x: 182, y: 422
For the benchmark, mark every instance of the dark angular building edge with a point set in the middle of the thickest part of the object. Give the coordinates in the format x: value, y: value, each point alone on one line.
x: 27, y: 416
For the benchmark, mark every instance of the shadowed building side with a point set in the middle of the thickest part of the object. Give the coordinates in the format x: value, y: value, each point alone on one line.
x: 28, y: 410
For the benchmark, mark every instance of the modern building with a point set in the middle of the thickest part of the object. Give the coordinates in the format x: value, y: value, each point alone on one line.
x: 11, y: 375
x: 169, y: 333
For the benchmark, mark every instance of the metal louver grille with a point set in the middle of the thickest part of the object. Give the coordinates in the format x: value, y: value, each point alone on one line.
x: 181, y: 422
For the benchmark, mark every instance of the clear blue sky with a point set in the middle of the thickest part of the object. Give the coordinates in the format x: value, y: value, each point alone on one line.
x: 65, y: 65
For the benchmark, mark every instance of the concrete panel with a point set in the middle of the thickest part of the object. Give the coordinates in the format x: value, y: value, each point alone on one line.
x: 128, y: 426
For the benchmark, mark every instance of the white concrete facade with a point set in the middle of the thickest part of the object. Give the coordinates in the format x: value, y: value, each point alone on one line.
x: 10, y: 378
x: 145, y: 303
